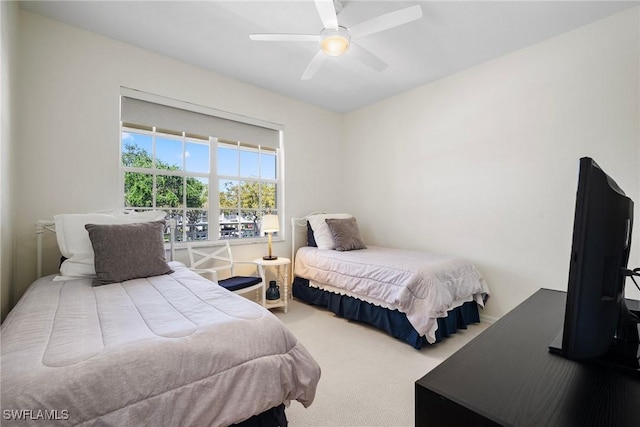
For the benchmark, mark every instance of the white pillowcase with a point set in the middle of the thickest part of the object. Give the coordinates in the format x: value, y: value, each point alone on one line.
x: 75, y: 245
x: 321, y: 233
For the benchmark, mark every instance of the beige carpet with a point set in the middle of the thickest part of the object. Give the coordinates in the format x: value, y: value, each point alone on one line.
x: 367, y: 376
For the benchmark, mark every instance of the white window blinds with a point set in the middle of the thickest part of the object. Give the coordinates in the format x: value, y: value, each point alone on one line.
x: 145, y: 113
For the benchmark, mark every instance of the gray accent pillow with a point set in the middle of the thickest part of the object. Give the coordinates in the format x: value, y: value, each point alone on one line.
x: 128, y: 251
x: 346, y: 234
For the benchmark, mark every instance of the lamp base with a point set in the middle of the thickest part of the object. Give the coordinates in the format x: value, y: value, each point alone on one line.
x: 269, y: 257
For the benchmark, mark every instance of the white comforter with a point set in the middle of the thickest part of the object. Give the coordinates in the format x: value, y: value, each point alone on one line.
x: 166, y: 350
x: 422, y: 285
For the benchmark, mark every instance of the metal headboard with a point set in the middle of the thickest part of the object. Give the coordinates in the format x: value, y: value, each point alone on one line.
x: 41, y: 226
x: 49, y: 225
x: 296, y: 223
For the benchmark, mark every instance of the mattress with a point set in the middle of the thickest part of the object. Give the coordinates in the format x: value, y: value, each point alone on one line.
x: 422, y: 285
x: 165, y: 350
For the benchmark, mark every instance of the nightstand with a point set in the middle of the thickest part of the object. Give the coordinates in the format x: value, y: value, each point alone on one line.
x: 282, y: 276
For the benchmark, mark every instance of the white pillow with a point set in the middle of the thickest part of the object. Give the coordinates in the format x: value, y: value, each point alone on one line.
x: 321, y: 232
x: 75, y: 245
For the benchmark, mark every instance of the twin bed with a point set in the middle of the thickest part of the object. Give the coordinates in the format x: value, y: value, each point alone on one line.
x: 417, y: 297
x: 159, y: 349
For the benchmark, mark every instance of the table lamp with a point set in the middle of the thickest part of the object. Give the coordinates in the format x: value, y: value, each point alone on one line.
x: 270, y: 225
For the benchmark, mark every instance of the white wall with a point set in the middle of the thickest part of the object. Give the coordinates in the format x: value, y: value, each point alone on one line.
x: 9, y: 38
x: 483, y: 164
x: 68, y: 128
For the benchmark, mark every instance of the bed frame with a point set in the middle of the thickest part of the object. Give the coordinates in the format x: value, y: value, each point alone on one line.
x: 393, y: 322
x: 298, y: 224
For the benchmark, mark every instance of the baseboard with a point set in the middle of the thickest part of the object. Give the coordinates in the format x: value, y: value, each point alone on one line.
x: 488, y: 319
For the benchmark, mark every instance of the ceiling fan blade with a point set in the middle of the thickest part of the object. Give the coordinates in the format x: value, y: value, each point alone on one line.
x: 386, y: 21
x: 367, y: 58
x: 327, y: 12
x: 314, y: 65
x: 285, y: 37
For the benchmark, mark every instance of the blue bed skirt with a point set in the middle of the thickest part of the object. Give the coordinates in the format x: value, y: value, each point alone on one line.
x: 393, y: 322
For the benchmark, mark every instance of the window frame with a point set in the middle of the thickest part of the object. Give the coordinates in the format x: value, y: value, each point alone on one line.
x: 240, y: 147
x: 213, y: 200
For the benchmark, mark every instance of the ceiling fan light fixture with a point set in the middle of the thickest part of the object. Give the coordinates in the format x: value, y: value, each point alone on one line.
x: 335, y: 42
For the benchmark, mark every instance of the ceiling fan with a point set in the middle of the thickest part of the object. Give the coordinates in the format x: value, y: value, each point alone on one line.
x: 335, y: 40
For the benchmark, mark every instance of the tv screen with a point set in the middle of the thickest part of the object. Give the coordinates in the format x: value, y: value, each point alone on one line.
x: 596, y: 315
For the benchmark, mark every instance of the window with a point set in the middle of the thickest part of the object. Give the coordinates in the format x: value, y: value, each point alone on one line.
x: 215, y: 187
x: 247, y: 188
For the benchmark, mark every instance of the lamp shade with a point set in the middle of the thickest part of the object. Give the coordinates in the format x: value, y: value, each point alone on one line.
x: 270, y: 224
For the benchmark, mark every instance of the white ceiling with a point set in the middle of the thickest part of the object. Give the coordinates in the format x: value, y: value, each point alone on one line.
x: 451, y: 36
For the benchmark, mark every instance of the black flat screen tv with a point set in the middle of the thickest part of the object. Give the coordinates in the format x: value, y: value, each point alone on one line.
x: 598, y: 326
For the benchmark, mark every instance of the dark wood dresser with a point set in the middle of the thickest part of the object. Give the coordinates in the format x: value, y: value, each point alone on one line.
x: 506, y: 376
